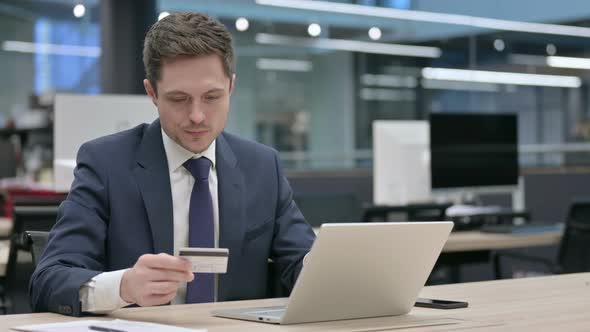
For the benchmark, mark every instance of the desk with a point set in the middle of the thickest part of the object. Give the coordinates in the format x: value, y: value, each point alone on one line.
x: 534, y: 304
x: 471, y: 247
x: 475, y: 240
x: 467, y: 241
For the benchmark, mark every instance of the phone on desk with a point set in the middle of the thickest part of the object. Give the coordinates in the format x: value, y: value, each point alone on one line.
x: 440, y: 304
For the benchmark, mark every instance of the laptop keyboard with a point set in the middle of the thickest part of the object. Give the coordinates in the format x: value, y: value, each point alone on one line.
x: 275, y: 313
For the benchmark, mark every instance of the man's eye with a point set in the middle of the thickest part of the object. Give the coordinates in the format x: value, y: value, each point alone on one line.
x: 212, y: 98
x: 179, y: 100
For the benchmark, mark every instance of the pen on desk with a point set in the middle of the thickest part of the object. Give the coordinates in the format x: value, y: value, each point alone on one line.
x: 103, y: 329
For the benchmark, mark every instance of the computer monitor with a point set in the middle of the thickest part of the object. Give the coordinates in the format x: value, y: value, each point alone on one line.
x: 80, y: 118
x: 473, y: 150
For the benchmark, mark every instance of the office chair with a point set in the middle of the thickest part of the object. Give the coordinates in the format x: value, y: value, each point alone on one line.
x: 410, y: 212
x: 8, y: 160
x: 574, y: 251
x: 36, y: 241
x: 29, y: 213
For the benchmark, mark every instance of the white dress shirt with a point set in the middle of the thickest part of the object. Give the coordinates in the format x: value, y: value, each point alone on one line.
x: 101, y: 294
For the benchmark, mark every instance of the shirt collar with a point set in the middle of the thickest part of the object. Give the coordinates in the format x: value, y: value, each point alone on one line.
x: 177, y: 155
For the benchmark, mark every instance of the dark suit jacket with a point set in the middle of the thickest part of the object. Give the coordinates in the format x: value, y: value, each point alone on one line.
x: 120, y: 207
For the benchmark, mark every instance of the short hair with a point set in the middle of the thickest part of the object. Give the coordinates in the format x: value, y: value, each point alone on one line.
x: 186, y: 34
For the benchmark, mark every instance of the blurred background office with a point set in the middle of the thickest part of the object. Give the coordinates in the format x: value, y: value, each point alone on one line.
x: 313, y: 77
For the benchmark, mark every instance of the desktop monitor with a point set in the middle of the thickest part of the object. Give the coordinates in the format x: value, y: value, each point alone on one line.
x: 473, y: 150
x: 80, y: 118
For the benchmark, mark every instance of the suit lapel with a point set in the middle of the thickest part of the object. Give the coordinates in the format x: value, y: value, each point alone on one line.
x: 231, y: 191
x: 151, y: 173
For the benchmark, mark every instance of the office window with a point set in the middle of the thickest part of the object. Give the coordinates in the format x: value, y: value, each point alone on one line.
x: 315, y: 103
x: 72, y: 65
x: 45, y: 48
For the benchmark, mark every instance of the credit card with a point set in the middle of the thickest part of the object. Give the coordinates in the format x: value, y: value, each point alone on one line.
x: 206, y: 260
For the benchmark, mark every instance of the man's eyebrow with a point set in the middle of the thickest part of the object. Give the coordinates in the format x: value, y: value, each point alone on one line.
x: 215, y: 90
x: 175, y: 92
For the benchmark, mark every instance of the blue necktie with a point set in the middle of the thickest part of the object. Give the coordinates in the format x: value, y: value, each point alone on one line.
x: 201, y: 231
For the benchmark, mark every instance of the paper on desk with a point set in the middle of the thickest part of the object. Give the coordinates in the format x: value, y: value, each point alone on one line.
x: 118, y: 324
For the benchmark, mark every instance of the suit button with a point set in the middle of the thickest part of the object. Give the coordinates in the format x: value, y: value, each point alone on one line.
x: 64, y: 309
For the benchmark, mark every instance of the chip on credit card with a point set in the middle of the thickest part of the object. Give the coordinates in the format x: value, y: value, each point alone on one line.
x: 206, y: 260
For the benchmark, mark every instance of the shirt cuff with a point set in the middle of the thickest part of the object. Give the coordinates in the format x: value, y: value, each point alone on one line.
x: 101, y: 294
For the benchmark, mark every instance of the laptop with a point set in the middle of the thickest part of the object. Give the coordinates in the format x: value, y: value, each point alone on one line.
x: 358, y: 270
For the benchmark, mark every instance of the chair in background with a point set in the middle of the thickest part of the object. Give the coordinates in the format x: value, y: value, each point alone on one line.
x: 410, y: 212
x: 29, y: 214
x: 36, y: 242
x: 8, y: 160
x: 38, y: 215
x: 574, y: 248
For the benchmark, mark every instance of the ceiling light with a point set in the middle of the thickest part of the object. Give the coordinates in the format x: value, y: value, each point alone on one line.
x: 284, y: 65
x: 242, y: 24
x: 499, y: 45
x: 497, y: 77
x: 79, y: 10
x: 162, y: 15
x: 551, y: 49
x: 350, y: 45
x: 375, y: 33
x: 372, y: 94
x: 527, y: 59
x: 424, y: 16
x: 460, y: 86
x: 314, y: 29
x: 395, y: 81
x: 568, y: 62
x: 56, y: 49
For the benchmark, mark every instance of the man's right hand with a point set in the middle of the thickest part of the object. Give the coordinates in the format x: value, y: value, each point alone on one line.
x: 154, y: 279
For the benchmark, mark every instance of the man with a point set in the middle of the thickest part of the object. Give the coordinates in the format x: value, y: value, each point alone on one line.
x: 140, y: 195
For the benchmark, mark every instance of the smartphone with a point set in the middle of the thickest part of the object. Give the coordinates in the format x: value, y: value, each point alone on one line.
x: 440, y: 304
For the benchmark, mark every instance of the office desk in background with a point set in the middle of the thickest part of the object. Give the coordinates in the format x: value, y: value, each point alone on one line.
x: 476, y: 241
x: 533, y: 304
x: 470, y: 241
x: 476, y: 247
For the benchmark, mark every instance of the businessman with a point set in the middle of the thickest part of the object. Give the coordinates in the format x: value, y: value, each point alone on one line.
x: 181, y: 181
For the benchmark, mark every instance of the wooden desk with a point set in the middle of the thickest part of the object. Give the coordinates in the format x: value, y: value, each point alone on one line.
x: 535, y: 304
x: 472, y: 247
x: 475, y: 240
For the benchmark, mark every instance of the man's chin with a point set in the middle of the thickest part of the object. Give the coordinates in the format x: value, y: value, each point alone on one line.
x: 196, y: 147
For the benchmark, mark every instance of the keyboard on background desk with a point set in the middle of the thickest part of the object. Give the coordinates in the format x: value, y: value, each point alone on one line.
x: 523, y: 229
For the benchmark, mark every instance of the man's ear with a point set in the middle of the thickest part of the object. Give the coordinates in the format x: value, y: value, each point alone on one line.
x: 232, y: 84
x: 150, y: 91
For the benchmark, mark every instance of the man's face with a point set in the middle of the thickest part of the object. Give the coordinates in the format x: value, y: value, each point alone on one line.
x: 193, y: 100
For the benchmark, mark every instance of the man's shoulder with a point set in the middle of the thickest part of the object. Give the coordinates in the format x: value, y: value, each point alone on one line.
x: 120, y: 142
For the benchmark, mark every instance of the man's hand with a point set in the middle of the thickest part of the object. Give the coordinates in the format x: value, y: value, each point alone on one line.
x: 154, y: 279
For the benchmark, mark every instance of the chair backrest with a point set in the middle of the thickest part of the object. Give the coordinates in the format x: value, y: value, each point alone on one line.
x: 29, y: 215
x: 574, y: 251
x: 8, y: 160
x: 37, y: 242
